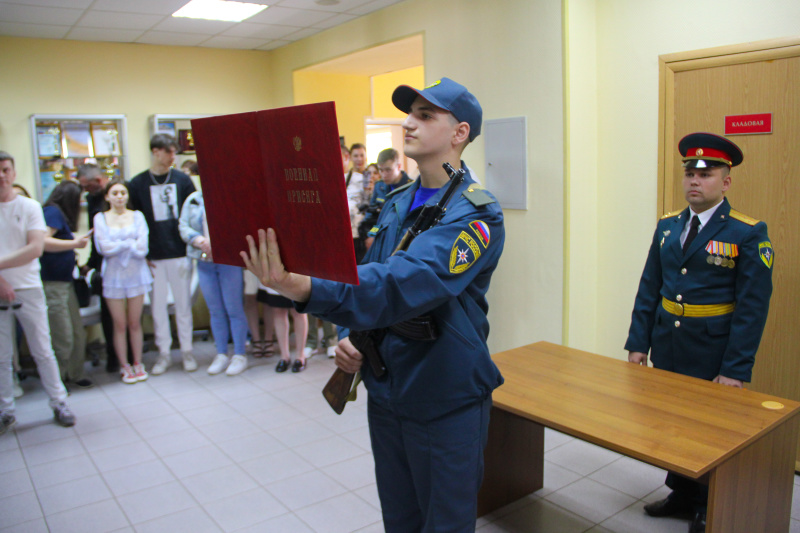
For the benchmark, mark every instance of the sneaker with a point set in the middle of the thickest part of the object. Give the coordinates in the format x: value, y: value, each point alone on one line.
x: 7, y: 421
x: 83, y: 383
x: 162, y: 363
x: 63, y: 415
x: 308, y: 352
x: 331, y: 352
x: 219, y: 364
x: 18, y: 392
x: 237, y: 366
x: 140, y: 372
x: 189, y: 364
x: 128, y: 375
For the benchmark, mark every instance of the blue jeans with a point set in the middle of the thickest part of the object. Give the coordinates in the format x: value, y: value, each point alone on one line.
x: 223, y: 289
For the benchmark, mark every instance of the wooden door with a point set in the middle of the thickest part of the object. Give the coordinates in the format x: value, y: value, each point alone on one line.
x: 698, y: 90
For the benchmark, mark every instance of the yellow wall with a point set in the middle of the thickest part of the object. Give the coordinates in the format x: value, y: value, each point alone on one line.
x: 45, y: 76
x: 383, y: 86
x: 508, y: 53
x: 581, y: 198
x: 630, y: 37
x: 351, y: 94
x: 589, y: 76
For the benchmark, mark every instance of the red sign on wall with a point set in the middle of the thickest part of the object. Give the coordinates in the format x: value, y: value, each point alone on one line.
x: 748, y: 124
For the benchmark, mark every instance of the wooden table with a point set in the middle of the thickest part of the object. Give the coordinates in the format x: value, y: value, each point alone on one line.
x: 719, y: 435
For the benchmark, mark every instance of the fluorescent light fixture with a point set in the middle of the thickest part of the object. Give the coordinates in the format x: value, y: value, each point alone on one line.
x: 228, y: 11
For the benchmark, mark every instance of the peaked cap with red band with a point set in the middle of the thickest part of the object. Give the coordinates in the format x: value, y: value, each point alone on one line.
x: 706, y: 150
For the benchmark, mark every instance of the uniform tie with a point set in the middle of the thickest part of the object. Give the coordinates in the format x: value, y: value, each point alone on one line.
x: 692, y: 233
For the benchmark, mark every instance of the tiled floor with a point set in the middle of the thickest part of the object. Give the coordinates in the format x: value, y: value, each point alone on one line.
x: 263, y: 452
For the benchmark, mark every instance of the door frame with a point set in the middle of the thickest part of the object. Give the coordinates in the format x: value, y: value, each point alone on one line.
x: 669, y: 64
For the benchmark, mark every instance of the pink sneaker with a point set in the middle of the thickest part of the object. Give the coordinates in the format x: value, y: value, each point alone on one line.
x: 128, y: 375
x: 140, y: 373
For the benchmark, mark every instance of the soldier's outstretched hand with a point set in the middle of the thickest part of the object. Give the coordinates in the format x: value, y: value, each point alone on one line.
x: 265, y: 262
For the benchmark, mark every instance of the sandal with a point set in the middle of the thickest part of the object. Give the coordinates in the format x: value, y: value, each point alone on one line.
x: 263, y: 348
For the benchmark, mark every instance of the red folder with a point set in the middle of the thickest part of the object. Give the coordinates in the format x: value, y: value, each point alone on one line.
x: 281, y: 169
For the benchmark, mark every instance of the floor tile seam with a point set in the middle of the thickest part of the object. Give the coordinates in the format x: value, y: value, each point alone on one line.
x: 636, y: 503
x: 200, y: 507
x: 294, y: 511
x: 587, y: 474
x: 509, y: 508
x: 585, y: 478
x: 617, y: 489
x: 564, y: 509
x: 236, y: 464
x: 573, y: 513
x: 111, y: 497
x: 295, y: 445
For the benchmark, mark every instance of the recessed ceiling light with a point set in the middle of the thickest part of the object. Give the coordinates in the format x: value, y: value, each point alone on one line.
x: 326, y: 2
x: 219, y: 10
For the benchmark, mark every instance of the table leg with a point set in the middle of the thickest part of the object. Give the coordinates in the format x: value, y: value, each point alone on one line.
x: 514, y: 460
x: 752, y: 491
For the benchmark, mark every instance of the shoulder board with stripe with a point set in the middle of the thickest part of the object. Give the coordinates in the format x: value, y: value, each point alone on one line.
x: 672, y: 214
x: 750, y: 221
x: 397, y: 190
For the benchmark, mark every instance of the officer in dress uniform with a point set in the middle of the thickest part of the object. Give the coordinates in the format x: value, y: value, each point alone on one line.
x: 429, y: 413
x: 704, y: 294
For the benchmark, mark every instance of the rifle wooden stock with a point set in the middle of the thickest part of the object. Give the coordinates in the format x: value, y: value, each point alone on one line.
x: 337, y: 390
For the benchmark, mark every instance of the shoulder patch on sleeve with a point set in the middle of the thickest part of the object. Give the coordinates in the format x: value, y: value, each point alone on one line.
x: 464, y: 253
x: 672, y: 214
x: 397, y: 190
x: 750, y: 221
x: 766, y: 253
x: 481, y: 231
x: 477, y: 195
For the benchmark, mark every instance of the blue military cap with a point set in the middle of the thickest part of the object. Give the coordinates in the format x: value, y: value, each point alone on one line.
x: 707, y: 150
x: 448, y: 95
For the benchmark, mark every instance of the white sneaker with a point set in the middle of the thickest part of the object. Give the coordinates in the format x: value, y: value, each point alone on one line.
x: 128, y: 375
x: 18, y: 392
x: 237, y: 366
x: 141, y: 374
x: 219, y: 364
x: 189, y: 364
x: 331, y: 352
x: 162, y: 363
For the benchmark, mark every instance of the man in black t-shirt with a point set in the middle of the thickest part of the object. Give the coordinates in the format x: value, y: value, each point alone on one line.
x: 159, y: 193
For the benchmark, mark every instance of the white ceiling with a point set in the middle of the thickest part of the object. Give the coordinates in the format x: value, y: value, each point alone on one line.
x: 150, y: 21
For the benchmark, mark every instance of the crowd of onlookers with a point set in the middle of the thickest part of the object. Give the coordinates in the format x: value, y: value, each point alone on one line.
x: 147, y: 236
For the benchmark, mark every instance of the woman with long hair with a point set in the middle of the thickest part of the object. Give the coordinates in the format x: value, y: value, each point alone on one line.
x: 121, y: 237
x: 57, y: 265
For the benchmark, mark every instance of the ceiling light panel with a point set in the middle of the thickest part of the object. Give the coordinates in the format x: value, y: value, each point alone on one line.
x: 226, y: 10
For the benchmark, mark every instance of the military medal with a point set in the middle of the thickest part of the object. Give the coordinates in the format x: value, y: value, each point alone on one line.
x: 717, y: 260
x: 731, y: 263
x: 710, y: 259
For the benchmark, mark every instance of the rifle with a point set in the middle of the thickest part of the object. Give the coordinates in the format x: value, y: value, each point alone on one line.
x: 340, y: 388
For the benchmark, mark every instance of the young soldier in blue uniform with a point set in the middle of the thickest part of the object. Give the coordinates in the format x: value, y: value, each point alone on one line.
x: 704, y: 294
x: 429, y: 414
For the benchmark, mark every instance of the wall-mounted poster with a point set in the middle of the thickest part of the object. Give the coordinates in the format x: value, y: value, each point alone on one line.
x: 186, y: 141
x: 48, y: 139
x: 105, y: 138
x: 76, y: 139
x: 167, y: 127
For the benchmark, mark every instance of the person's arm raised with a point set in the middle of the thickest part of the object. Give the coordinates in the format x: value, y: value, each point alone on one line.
x: 265, y: 262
